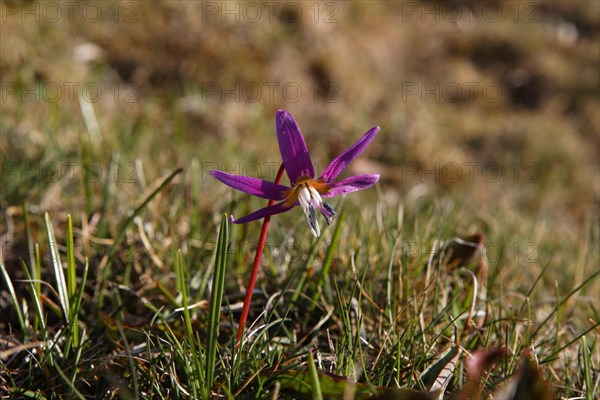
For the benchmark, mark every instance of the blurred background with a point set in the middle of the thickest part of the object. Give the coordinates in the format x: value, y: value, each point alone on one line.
x: 494, y: 105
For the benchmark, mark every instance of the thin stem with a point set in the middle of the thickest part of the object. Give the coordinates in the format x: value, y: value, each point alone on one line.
x: 255, y: 265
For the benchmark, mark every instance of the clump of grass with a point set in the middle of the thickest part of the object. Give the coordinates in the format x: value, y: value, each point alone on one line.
x: 373, y: 311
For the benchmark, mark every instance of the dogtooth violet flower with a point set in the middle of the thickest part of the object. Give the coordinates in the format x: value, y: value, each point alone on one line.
x: 305, y: 190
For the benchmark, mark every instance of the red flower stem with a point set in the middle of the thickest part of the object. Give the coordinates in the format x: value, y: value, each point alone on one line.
x: 255, y: 265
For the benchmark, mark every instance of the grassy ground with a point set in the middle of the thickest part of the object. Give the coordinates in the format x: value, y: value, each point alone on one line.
x: 489, y: 118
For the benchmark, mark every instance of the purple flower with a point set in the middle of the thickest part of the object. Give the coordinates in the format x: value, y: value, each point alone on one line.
x: 304, y: 190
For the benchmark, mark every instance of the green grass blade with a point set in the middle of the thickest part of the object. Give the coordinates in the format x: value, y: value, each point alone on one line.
x: 29, y: 238
x: 314, y: 378
x: 71, y: 272
x: 587, y: 369
x: 79, y: 296
x: 555, y: 352
x: 307, y: 267
x: 36, y: 300
x: 563, y: 301
x: 106, y: 199
x: 74, y: 390
x: 332, y: 250
x: 389, y: 284
x: 216, y: 298
x: 59, y: 274
x: 36, y: 287
x: 530, y: 291
x: 188, y: 326
x: 29, y: 394
x: 13, y: 295
x: 72, y: 284
x: 37, y: 273
x: 86, y: 160
x: 77, y: 358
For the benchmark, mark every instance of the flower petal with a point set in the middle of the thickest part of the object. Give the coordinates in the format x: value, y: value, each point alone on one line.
x: 351, y: 184
x: 264, y: 212
x: 293, y: 148
x: 253, y: 186
x: 338, y: 164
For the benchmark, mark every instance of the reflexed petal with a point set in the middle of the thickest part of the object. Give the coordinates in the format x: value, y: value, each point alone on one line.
x: 351, y: 184
x: 253, y: 186
x: 264, y: 212
x: 338, y: 164
x: 293, y: 148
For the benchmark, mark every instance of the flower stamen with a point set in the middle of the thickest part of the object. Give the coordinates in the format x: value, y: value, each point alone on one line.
x: 312, y: 221
x: 310, y: 198
x: 329, y: 209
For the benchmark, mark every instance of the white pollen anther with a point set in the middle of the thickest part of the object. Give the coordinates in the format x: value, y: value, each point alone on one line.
x: 310, y: 198
x: 304, y: 198
x: 315, y: 195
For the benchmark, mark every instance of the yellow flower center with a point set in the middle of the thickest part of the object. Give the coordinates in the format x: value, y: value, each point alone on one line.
x: 307, y: 183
